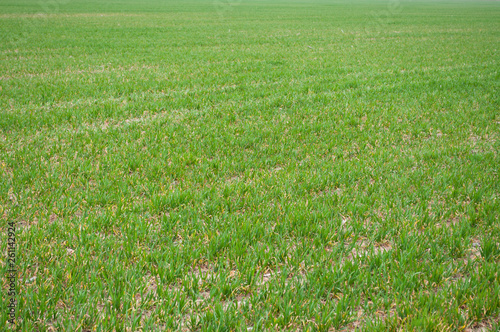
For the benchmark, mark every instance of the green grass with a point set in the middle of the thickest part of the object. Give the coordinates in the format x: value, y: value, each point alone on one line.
x: 278, y: 165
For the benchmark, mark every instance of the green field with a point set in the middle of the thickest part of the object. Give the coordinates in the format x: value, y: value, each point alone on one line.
x: 250, y: 165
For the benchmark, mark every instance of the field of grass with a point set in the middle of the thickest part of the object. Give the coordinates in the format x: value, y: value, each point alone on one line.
x: 250, y: 165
